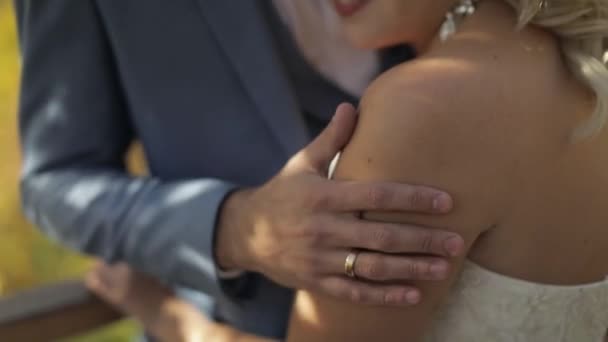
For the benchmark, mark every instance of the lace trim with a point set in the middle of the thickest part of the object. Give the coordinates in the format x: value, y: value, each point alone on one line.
x: 487, y: 274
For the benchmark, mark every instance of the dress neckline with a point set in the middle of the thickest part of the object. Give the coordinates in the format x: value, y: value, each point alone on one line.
x: 490, y: 275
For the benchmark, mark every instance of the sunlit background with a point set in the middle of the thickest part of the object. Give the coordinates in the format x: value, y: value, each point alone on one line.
x: 26, y: 258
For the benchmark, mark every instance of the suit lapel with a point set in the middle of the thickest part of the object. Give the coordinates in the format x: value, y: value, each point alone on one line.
x: 243, y: 35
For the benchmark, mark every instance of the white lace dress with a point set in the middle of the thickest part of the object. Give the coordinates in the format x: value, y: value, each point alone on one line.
x: 485, y: 307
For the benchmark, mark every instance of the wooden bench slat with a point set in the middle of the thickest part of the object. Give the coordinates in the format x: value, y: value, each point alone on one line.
x: 53, y: 312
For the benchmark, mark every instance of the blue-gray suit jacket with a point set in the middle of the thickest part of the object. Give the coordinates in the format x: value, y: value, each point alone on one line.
x: 199, y: 84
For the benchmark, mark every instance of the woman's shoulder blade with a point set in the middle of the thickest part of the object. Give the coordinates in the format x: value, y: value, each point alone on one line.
x: 477, y: 96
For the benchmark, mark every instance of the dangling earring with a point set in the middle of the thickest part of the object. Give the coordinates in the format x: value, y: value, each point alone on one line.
x: 455, y: 17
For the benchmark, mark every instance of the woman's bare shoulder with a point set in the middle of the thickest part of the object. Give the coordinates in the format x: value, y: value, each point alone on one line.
x: 460, y: 125
x: 478, y: 102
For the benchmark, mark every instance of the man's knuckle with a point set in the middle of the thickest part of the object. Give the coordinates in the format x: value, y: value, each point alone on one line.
x: 416, y: 199
x: 319, y: 200
x: 374, y: 268
x: 305, y: 229
x: 338, y: 290
x: 313, y: 230
x: 413, y: 269
x: 426, y: 242
x: 314, y: 266
x: 424, y: 269
x: 378, y: 197
x: 355, y: 295
x: 321, y: 234
x: 315, y: 285
x: 364, y: 269
x: 382, y: 239
x: 386, y: 297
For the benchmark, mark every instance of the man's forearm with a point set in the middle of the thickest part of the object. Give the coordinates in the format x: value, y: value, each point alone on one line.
x: 120, y: 218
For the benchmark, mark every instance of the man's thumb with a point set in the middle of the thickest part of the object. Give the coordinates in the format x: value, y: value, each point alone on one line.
x: 332, y: 140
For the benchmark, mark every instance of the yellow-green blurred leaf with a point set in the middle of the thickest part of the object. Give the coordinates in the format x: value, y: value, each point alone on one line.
x: 27, y: 259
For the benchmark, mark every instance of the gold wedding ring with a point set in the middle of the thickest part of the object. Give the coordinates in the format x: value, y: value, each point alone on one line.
x: 349, y: 264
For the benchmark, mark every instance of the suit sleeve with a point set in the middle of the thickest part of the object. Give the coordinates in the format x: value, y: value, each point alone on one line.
x: 75, y: 131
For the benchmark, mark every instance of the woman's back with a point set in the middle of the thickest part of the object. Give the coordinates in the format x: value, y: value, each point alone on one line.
x: 488, y: 116
x: 543, y: 265
x: 541, y: 275
x: 556, y: 232
x: 554, y: 227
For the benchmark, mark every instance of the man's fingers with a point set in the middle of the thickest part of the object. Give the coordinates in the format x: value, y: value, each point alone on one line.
x: 109, y: 282
x: 392, y: 238
x: 380, y: 267
x: 378, y: 196
x: 132, y: 292
x: 359, y: 292
x: 324, y: 148
x: 387, y: 196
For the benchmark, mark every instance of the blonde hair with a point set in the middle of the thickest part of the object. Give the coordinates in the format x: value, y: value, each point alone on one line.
x: 582, y: 26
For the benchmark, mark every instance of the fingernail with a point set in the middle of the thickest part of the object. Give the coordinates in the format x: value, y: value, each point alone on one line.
x: 439, y: 270
x: 442, y: 203
x: 412, y: 297
x: 454, y: 245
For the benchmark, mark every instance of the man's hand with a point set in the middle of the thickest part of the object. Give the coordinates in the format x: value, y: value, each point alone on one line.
x: 160, y: 312
x: 298, y: 228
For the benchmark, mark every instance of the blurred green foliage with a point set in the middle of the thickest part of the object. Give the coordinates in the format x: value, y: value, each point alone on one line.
x: 26, y: 258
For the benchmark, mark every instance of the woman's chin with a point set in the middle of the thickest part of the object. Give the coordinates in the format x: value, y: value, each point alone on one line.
x: 363, y: 41
x: 364, y: 44
x: 371, y: 42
